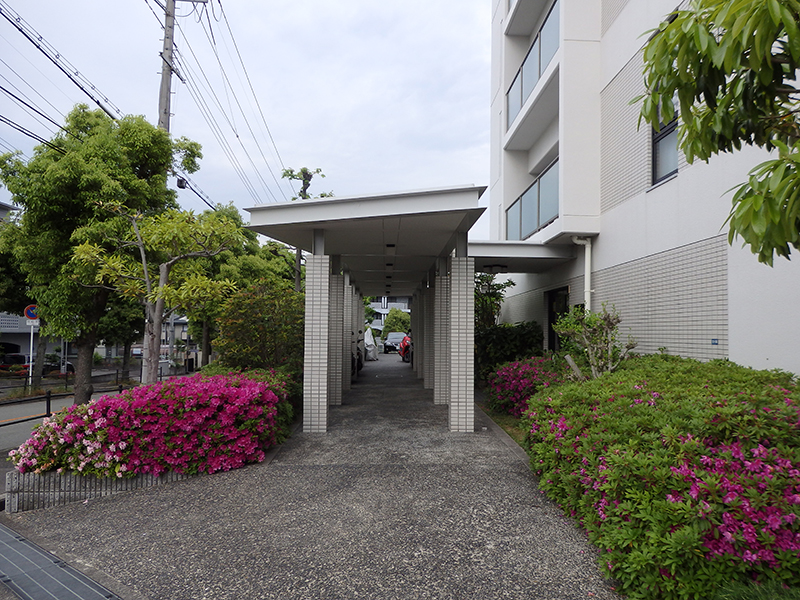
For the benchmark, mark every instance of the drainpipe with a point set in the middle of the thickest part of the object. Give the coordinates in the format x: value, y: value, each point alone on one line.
x: 586, y: 242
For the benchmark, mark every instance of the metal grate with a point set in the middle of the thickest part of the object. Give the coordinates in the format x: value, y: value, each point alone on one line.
x: 33, y: 574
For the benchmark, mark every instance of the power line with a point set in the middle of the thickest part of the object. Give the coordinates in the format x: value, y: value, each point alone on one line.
x: 30, y: 134
x: 45, y: 48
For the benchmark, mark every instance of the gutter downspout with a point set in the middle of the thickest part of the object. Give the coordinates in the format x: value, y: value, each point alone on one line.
x: 586, y: 242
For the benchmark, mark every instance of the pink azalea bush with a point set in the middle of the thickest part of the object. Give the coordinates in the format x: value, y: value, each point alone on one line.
x: 513, y: 383
x: 190, y: 425
x: 686, y: 475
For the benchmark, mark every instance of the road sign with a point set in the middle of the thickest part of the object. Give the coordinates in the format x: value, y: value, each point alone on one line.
x: 31, y: 312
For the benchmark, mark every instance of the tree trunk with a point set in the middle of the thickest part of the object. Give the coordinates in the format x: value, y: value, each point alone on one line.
x: 38, y: 361
x: 206, y: 344
x: 126, y: 360
x: 83, y: 371
x: 154, y: 315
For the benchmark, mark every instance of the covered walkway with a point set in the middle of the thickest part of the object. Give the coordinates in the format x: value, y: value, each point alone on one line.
x: 387, y: 505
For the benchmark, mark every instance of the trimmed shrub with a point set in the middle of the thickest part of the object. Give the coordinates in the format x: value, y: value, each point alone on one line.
x: 686, y: 475
x: 504, y: 343
x: 189, y: 425
x: 511, y: 386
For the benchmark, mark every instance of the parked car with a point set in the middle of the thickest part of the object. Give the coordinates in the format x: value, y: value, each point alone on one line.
x: 13, y: 361
x: 392, y: 341
x: 50, y: 367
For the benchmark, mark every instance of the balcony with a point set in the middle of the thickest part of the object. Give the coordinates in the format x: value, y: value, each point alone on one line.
x: 523, y: 15
x: 539, y: 57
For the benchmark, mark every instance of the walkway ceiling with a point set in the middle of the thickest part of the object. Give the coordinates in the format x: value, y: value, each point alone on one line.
x: 388, y: 243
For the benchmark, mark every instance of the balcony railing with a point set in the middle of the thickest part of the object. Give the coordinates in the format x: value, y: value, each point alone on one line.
x: 535, y: 208
x: 541, y: 52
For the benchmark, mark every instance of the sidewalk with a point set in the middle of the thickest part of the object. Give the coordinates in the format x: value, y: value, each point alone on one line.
x: 388, y: 504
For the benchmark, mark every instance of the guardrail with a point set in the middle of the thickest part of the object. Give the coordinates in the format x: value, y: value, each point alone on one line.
x: 47, y: 397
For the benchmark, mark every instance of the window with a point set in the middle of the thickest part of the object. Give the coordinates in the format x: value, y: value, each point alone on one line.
x: 665, y: 151
x: 665, y: 148
x: 541, y: 52
x: 536, y: 208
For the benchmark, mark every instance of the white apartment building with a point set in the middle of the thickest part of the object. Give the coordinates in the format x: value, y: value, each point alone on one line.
x: 572, y: 170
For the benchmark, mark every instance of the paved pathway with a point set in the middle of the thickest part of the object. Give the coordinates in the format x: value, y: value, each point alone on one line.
x: 388, y: 504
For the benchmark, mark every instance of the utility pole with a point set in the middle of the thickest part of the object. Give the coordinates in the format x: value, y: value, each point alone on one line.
x: 167, y: 68
x: 164, y: 96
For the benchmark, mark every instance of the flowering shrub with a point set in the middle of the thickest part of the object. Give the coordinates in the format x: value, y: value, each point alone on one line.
x: 686, y: 475
x: 514, y: 383
x: 188, y: 425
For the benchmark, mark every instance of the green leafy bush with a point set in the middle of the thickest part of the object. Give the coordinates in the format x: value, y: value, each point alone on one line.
x: 262, y: 327
x: 685, y: 474
x: 499, y: 344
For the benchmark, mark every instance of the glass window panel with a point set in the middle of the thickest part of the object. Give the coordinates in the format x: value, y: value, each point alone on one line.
x: 530, y: 210
x: 514, y: 99
x: 548, y: 195
x: 665, y: 156
x: 530, y: 71
x: 512, y: 221
x: 549, y: 37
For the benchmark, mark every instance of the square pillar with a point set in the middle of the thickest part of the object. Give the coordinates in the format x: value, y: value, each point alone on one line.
x: 315, y: 367
x: 347, y: 329
x: 420, y: 349
x: 335, y: 337
x: 441, y: 382
x: 462, y: 341
x: 430, y: 346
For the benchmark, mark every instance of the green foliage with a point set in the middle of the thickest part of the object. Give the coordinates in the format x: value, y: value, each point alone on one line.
x: 488, y: 299
x: 595, y: 333
x: 304, y: 175
x: 731, y: 65
x: 499, y: 344
x: 771, y: 590
x: 262, y: 327
x: 396, y: 320
x: 684, y: 474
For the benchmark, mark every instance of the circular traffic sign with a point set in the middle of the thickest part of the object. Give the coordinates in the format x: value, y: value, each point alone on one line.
x: 31, y: 312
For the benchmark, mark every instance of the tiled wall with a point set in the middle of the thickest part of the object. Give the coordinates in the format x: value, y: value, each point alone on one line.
x: 430, y: 346
x: 676, y: 299
x: 625, y: 149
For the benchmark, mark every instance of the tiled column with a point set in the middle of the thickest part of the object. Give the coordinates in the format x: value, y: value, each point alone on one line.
x: 462, y: 352
x: 420, y: 349
x: 430, y: 346
x: 441, y: 388
x: 315, y: 366
x: 347, y: 328
x: 415, y: 304
x: 335, y: 335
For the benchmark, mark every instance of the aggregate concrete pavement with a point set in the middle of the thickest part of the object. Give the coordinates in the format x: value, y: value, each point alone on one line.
x: 388, y: 504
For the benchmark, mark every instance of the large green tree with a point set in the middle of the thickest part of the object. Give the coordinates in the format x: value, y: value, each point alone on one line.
x: 163, y: 272
x: 64, y: 190
x: 731, y: 67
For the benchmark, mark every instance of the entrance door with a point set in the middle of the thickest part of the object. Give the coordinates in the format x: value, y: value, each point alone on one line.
x: 557, y: 305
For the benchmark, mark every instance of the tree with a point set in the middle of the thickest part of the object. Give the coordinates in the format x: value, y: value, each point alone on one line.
x: 304, y: 175
x: 262, y: 327
x: 488, y: 299
x: 731, y: 65
x: 64, y: 189
x: 123, y: 324
x: 396, y: 320
x: 160, y: 273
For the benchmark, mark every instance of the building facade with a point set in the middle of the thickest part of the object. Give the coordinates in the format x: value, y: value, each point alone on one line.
x: 571, y: 167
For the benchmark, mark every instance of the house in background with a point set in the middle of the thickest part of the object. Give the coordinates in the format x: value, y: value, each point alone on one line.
x: 571, y: 169
x: 383, y: 304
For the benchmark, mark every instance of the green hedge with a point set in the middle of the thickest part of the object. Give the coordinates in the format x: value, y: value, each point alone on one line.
x: 685, y: 474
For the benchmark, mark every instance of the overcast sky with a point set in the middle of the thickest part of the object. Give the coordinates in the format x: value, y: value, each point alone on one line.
x: 382, y: 96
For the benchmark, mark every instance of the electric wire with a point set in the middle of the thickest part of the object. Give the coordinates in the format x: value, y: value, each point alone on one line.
x: 45, y: 48
x: 244, y: 115
x: 30, y: 134
x: 25, y: 79
x: 253, y: 92
x: 219, y: 135
x: 228, y: 86
x: 36, y: 110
